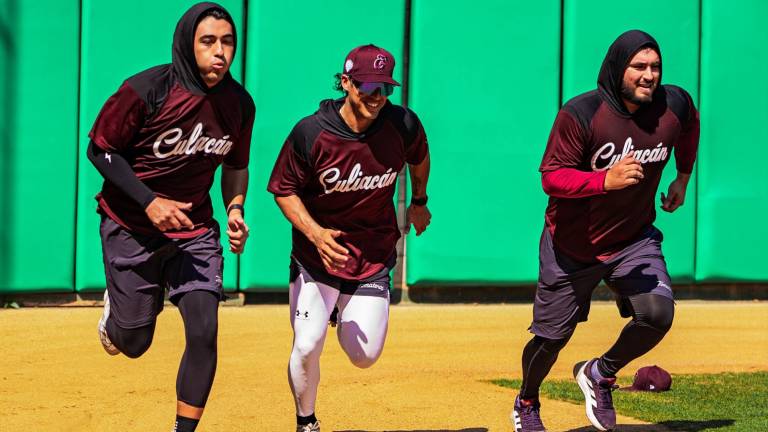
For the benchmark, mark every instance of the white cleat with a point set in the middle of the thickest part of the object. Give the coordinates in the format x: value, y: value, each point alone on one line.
x: 107, y: 344
x: 312, y: 427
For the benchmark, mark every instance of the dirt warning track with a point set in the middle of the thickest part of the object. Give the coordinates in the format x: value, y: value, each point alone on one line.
x: 433, y: 375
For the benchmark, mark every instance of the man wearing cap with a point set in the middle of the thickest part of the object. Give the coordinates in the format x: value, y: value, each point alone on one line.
x: 601, y: 169
x: 158, y: 142
x: 334, y: 180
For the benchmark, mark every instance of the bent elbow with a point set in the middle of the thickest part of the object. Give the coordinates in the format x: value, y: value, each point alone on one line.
x: 547, y: 185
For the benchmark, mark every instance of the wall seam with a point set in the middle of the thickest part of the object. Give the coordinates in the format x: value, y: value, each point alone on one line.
x: 243, y: 51
x: 696, y: 193
x: 400, y: 269
x: 561, y: 55
x: 77, y: 139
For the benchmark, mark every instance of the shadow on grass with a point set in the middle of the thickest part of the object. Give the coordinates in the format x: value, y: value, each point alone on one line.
x: 673, y: 425
x: 478, y: 429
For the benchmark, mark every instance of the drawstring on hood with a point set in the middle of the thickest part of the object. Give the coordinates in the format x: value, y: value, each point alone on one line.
x: 184, y: 65
x: 611, y: 76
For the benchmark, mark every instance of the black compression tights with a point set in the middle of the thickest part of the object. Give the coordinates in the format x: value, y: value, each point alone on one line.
x: 538, y: 357
x: 199, y: 310
x: 651, y: 319
x: 131, y: 342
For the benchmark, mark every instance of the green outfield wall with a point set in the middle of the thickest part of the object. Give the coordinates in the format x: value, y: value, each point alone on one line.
x: 486, y: 79
x: 38, y: 144
x: 731, y: 228
x: 294, y: 50
x: 485, y: 83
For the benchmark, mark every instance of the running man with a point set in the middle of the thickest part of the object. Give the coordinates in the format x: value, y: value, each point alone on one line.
x: 157, y: 142
x: 334, y: 180
x: 601, y: 170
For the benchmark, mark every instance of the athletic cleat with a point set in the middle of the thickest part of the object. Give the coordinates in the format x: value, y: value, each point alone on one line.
x: 597, y: 396
x: 333, y: 321
x: 312, y: 427
x: 525, y: 416
x: 109, y: 347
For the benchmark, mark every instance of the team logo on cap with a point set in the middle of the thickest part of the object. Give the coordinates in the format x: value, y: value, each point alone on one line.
x: 348, y: 65
x: 380, y: 62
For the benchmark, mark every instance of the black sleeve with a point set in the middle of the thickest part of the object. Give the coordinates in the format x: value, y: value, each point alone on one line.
x: 115, y: 169
x: 679, y: 102
x: 412, y: 132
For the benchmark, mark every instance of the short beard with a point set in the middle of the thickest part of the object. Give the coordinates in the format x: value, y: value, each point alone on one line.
x: 629, y: 95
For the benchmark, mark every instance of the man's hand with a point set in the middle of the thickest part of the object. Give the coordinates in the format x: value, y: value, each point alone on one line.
x: 168, y: 214
x: 675, y: 194
x: 419, y: 217
x: 237, y: 231
x: 626, y: 172
x: 334, y: 255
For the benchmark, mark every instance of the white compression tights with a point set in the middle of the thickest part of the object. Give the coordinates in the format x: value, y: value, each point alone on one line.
x: 362, y: 329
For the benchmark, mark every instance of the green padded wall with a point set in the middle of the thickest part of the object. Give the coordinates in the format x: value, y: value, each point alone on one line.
x: 294, y: 49
x: 484, y: 81
x: 733, y: 195
x: 590, y: 26
x: 39, y: 111
x: 7, y: 100
x: 120, y: 40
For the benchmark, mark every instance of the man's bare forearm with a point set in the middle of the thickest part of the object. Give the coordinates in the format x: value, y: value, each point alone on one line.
x: 293, y: 210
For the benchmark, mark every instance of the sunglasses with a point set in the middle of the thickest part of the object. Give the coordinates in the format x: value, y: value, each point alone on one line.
x: 370, y: 88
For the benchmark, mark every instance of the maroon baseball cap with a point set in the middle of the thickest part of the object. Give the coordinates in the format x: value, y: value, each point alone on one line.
x: 369, y: 63
x: 651, y: 378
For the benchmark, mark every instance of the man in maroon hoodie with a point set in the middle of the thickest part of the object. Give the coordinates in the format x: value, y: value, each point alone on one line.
x: 334, y: 180
x: 601, y: 170
x: 157, y: 142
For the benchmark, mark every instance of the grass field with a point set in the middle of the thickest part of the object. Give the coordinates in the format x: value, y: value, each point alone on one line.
x: 727, y: 402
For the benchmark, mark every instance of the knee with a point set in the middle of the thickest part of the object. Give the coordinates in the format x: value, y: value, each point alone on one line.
x: 553, y: 345
x: 362, y: 348
x: 660, y: 316
x: 136, y: 345
x: 306, y: 348
x: 203, y: 334
x: 362, y: 359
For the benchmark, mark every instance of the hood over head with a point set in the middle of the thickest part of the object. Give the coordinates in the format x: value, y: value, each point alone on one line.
x: 184, y: 64
x: 619, y: 54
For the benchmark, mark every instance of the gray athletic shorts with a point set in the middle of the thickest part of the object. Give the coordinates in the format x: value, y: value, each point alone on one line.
x: 377, y: 285
x: 140, y: 268
x: 565, y: 286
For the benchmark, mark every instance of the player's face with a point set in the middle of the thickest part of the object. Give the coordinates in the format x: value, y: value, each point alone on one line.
x: 641, y: 77
x: 363, y: 105
x: 214, y: 48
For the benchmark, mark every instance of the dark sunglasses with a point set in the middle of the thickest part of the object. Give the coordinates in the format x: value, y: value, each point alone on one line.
x: 370, y: 88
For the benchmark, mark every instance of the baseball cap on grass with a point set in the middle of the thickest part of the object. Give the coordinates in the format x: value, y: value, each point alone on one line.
x: 651, y: 378
x: 370, y: 64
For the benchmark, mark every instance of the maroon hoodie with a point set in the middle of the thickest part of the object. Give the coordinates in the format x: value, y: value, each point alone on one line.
x: 346, y: 180
x: 592, y: 132
x: 174, y: 131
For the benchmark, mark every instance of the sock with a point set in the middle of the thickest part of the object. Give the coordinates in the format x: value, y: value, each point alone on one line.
x: 599, y: 373
x: 305, y: 420
x: 185, y: 424
x: 596, y: 371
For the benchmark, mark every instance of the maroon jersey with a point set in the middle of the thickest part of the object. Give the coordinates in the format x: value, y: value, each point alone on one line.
x: 174, y: 140
x: 346, y: 180
x: 592, y: 132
